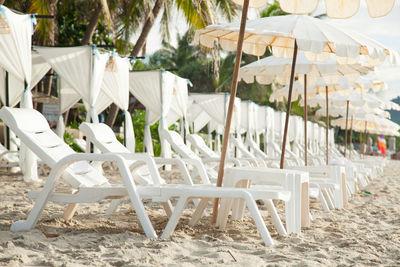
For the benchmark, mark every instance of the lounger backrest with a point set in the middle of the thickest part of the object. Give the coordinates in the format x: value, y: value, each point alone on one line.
x: 34, y: 131
x: 255, y: 147
x: 102, y: 137
x: 237, y: 143
x: 176, y: 141
x: 200, y: 145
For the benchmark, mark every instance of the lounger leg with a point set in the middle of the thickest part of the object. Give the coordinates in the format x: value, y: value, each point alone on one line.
x: 327, y: 198
x: 226, y: 205
x: 70, y: 211
x: 331, y: 192
x: 40, y: 203
x: 323, y: 201
x: 135, y: 200
x: 198, y: 212
x: 113, y: 206
x: 173, y: 220
x: 344, y: 192
x: 275, y: 217
x: 239, y: 204
x: 305, y: 206
x: 168, y: 208
x: 252, y: 206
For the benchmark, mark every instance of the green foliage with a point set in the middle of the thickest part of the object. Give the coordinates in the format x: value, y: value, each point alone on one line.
x: 72, y: 20
x: 74, y: 125
x: 186, y: 61
x: 271, y: 10
x: 69, y: 139
x: 139, y: 122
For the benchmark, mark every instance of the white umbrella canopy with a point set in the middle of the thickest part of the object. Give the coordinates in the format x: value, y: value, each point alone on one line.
x: 313, y: 36
x: 270, y: 69
x: 360, y: 123
x: 336, y: 112
x: 339, y: 9
x: 369, y: 123
x: 355, y: 101
x: 252, y: 3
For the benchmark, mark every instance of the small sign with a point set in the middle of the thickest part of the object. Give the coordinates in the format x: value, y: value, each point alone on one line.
x: 50, y: 112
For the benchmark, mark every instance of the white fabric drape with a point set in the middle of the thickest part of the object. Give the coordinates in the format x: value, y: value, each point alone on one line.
x: 39, y: 69
x: 116, y: 87
x: 81, y: 72
x: 216, y: 106
x: 147, y: 140
x: 97, y: 72
x: 16, y: 58
x: 165, y: 97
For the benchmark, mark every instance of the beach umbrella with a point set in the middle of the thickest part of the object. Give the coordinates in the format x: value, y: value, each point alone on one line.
x: 309, y: 73
x: 286, y: 35
x: 346, y: 103
x: 338, y: 9
x: 336, y: 112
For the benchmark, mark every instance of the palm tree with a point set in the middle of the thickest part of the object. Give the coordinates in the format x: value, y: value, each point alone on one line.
x: 198, y: 14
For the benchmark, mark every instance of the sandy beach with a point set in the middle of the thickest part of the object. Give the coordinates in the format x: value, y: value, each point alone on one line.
x: 366, y: 233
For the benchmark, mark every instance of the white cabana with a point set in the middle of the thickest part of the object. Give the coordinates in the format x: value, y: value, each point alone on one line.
x: 165, y: 97
x: 16, y: 58
x: 82, y: 69
x: 116, y: 88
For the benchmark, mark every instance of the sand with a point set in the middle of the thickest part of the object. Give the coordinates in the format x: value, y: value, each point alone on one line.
x: 366, y: 233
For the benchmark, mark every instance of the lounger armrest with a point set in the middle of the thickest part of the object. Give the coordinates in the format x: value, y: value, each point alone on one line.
x: 8, y: 152
x: 118, y: 158
x: 179, y: 162
x: 236, y: 162
x: 62, y: 164
x: 199, y: 166
x: 262, y: 175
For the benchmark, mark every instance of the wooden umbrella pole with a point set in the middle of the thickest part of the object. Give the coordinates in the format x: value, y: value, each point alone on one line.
x: 305, y: 119
x: 7, y: 103
x: 351, y: 135
x: 327, y: 124
x: 289, y: 104
x: 365, y: 138
x: 345, y: 134
x: 238, y: 59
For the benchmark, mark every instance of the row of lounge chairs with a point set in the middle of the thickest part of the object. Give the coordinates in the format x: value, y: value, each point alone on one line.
x: 247, y: 179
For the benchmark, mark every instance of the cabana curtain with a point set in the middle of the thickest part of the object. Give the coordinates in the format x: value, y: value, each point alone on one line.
x: 116, y: 76
x: 165, y: 97
x: 16, y: 58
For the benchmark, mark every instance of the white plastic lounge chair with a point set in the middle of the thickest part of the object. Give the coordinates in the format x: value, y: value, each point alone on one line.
x: 34, y: 131
x: 245, y: 152
x: 251, y: 175
x: 198, y: 144
x: 81, y: 143
x: 8, y: 159
x: 103, y: 138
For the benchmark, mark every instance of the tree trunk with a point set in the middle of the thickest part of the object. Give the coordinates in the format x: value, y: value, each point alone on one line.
x: 144, y: 50
x: 215, y: 53
x: 94, y: 19
x: 148, y: 24
x: 112, y: 115
x: 51, y: 40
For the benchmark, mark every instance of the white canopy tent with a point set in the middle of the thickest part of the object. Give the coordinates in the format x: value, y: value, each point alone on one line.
x: 16, y: 58
x: 82, y: 68
x: 116, y: 89
x: 165, y: 97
